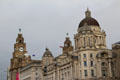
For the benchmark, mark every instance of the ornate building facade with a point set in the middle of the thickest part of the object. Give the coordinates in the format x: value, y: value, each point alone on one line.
x: 20, y: 59
x: 88, y: 59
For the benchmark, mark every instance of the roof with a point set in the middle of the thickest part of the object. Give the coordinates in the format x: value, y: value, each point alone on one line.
x: 88, y: 20
x: 117, y: 42
x: 47, y: 53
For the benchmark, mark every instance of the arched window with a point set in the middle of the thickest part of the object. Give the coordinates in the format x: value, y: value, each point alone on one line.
x: 84, y: 55
x: 89, y: 41
x: 103, y: 73
x: 20, y: 41
x: 92, y: 73
x: 91, y: 55
x: 102, y: 54
x: 84, y: 42
x: 91, y: 63
x: 103, y: 64
x: 85, y: 63
x: 94, y: 41
x: 85, y: 73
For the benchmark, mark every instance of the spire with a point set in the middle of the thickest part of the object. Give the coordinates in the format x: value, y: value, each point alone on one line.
x: 88, y: 13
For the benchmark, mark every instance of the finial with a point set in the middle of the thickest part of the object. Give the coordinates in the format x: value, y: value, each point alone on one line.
x: 19, y: 30
x: 67, y: 34
x: 88, y: 9
x: 88, y: 13
x: 46, y: 49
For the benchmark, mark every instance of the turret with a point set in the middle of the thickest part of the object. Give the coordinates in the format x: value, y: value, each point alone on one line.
x: 47, y: 57
x: 19, y: 55
x: 67, y: 45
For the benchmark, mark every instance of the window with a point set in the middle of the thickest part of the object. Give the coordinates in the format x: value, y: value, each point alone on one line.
x: 80, y: 73
x: 84, y: 42
x: 68, y: 73
x: 103, y: 73
x: 92, y: 73
x: 91, y: 63
x: 65, y: 74
x: 85, y: 63
x: 84, y: 55
x: 20, y: 41
x: 36, y: 74
x: 80, y: 64
x: 102, y: 55
x: 85, y: 73
x: 89, y: 41
x: 94, y: 40
x: 36, y: 69
x: 20, y: 59
x: 91, y: 55
x: 37, y: 78
x: 103, y: 63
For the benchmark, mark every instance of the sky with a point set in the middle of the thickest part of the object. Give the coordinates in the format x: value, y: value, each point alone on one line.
x: 44, y: 23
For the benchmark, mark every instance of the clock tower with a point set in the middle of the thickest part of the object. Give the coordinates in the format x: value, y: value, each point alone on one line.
x: 67, y: 45
x: 20, y: 56
x: 19, y: 46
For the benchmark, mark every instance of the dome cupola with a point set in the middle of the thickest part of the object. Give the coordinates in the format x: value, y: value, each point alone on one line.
x: 88, y: 20
x: 47, y: 53
x: 47, y: 57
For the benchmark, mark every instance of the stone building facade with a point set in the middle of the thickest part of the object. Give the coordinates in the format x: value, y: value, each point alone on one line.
x: 88, y: 59
x: 31, y: 71
x: 116, y: 61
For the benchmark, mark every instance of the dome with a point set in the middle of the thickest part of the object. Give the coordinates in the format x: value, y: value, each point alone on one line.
x: 47, y: 53
x: 88, y: 20
x: 117, y: 42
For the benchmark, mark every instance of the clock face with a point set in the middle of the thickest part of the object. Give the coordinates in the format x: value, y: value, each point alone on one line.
x: 66, y: 45
x: 21, y: 49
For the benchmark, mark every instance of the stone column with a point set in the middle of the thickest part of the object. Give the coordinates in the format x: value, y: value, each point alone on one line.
x: 98, y: 69
x: 110, y: 69
x: 71, y: 72
x: 13, y: 75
